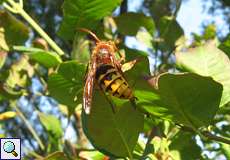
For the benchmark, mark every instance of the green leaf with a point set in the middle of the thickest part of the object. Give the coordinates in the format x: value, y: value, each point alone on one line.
x: 20, y: 73
x: 183, y: 146
x: 145, y: 38
x: 3, y: 43
x: 170, y: 32
x: 112, y: 133
x: 225, y: 46
x: 15, y: 32
x: 139, y: 149
x: 135, y: 76
x: 84, y: 14
x: 81, y: 50
x: 210, y: 32
x: 94, y: 155
x: 66, y: 86
x: 51, y: 124
x: 225, y: 149
x: 159, y: 8
x: 45, y: 58
x: 3, y: 56
x: 191, y: 99
x: 130, y: 23
x: 56, y: 156
x: 157, y: 146
x: 151, y: 102
x: 208, y: 60
x: 149, y: 149
x: 1, y: 1
x: 7, y: 115
x: 7, y: 93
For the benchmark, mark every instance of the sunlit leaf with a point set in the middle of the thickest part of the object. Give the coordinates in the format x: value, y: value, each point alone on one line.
x: 226, y: 150
x: 128, y: 65
x: 139, y: 149
x: 209, y: 32
x: 84, y: 14
x: 94, y: 155
x: 51, y: 124
x: 157, y: 146
x: 208, y: 60
x: 20, y: 73
x: 45, y: 58
x: 7, y: 115
x: 7, y: 92
x: 3, y: 43
x: 151, y: 102
x: 145, y: 38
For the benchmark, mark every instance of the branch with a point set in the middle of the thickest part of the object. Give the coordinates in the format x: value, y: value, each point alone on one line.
x: 123, y: 9
x: 216, y: 138
x: 82, y: 140
x: 178, y: 5
x: 208, y: 135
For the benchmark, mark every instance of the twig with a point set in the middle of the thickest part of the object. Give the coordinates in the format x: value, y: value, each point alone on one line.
x: 156, y: 57
x: 37, y: 156
x: 208, y: 135
x: 18, y: 8
x: 178, y: 5
x: 85, y: 150
x: 123, y: 9
x: 29, y: 126
x: 82, y: 140
x: 216, y: 138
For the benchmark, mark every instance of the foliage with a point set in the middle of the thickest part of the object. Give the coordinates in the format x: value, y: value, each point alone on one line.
x: 130, y: 23
x: 84, y: 14
x: 181, y: 97
x: 13, y: 31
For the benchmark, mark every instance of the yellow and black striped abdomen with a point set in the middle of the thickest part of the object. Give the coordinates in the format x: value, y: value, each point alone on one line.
x: 112, y: 82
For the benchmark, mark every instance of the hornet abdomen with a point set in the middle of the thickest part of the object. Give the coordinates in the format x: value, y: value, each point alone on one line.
x: 112, y: 82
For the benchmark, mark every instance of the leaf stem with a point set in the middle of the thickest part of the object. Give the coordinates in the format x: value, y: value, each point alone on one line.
x: 21, y: 3
x: 18, y: 8
x: 27, y: 123
x: 5, y: 5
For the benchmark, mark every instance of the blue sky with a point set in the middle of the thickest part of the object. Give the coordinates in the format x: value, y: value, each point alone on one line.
x: 191, y: 16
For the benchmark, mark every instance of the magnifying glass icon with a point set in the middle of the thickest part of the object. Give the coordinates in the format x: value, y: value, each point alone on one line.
x: 9, y: 147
